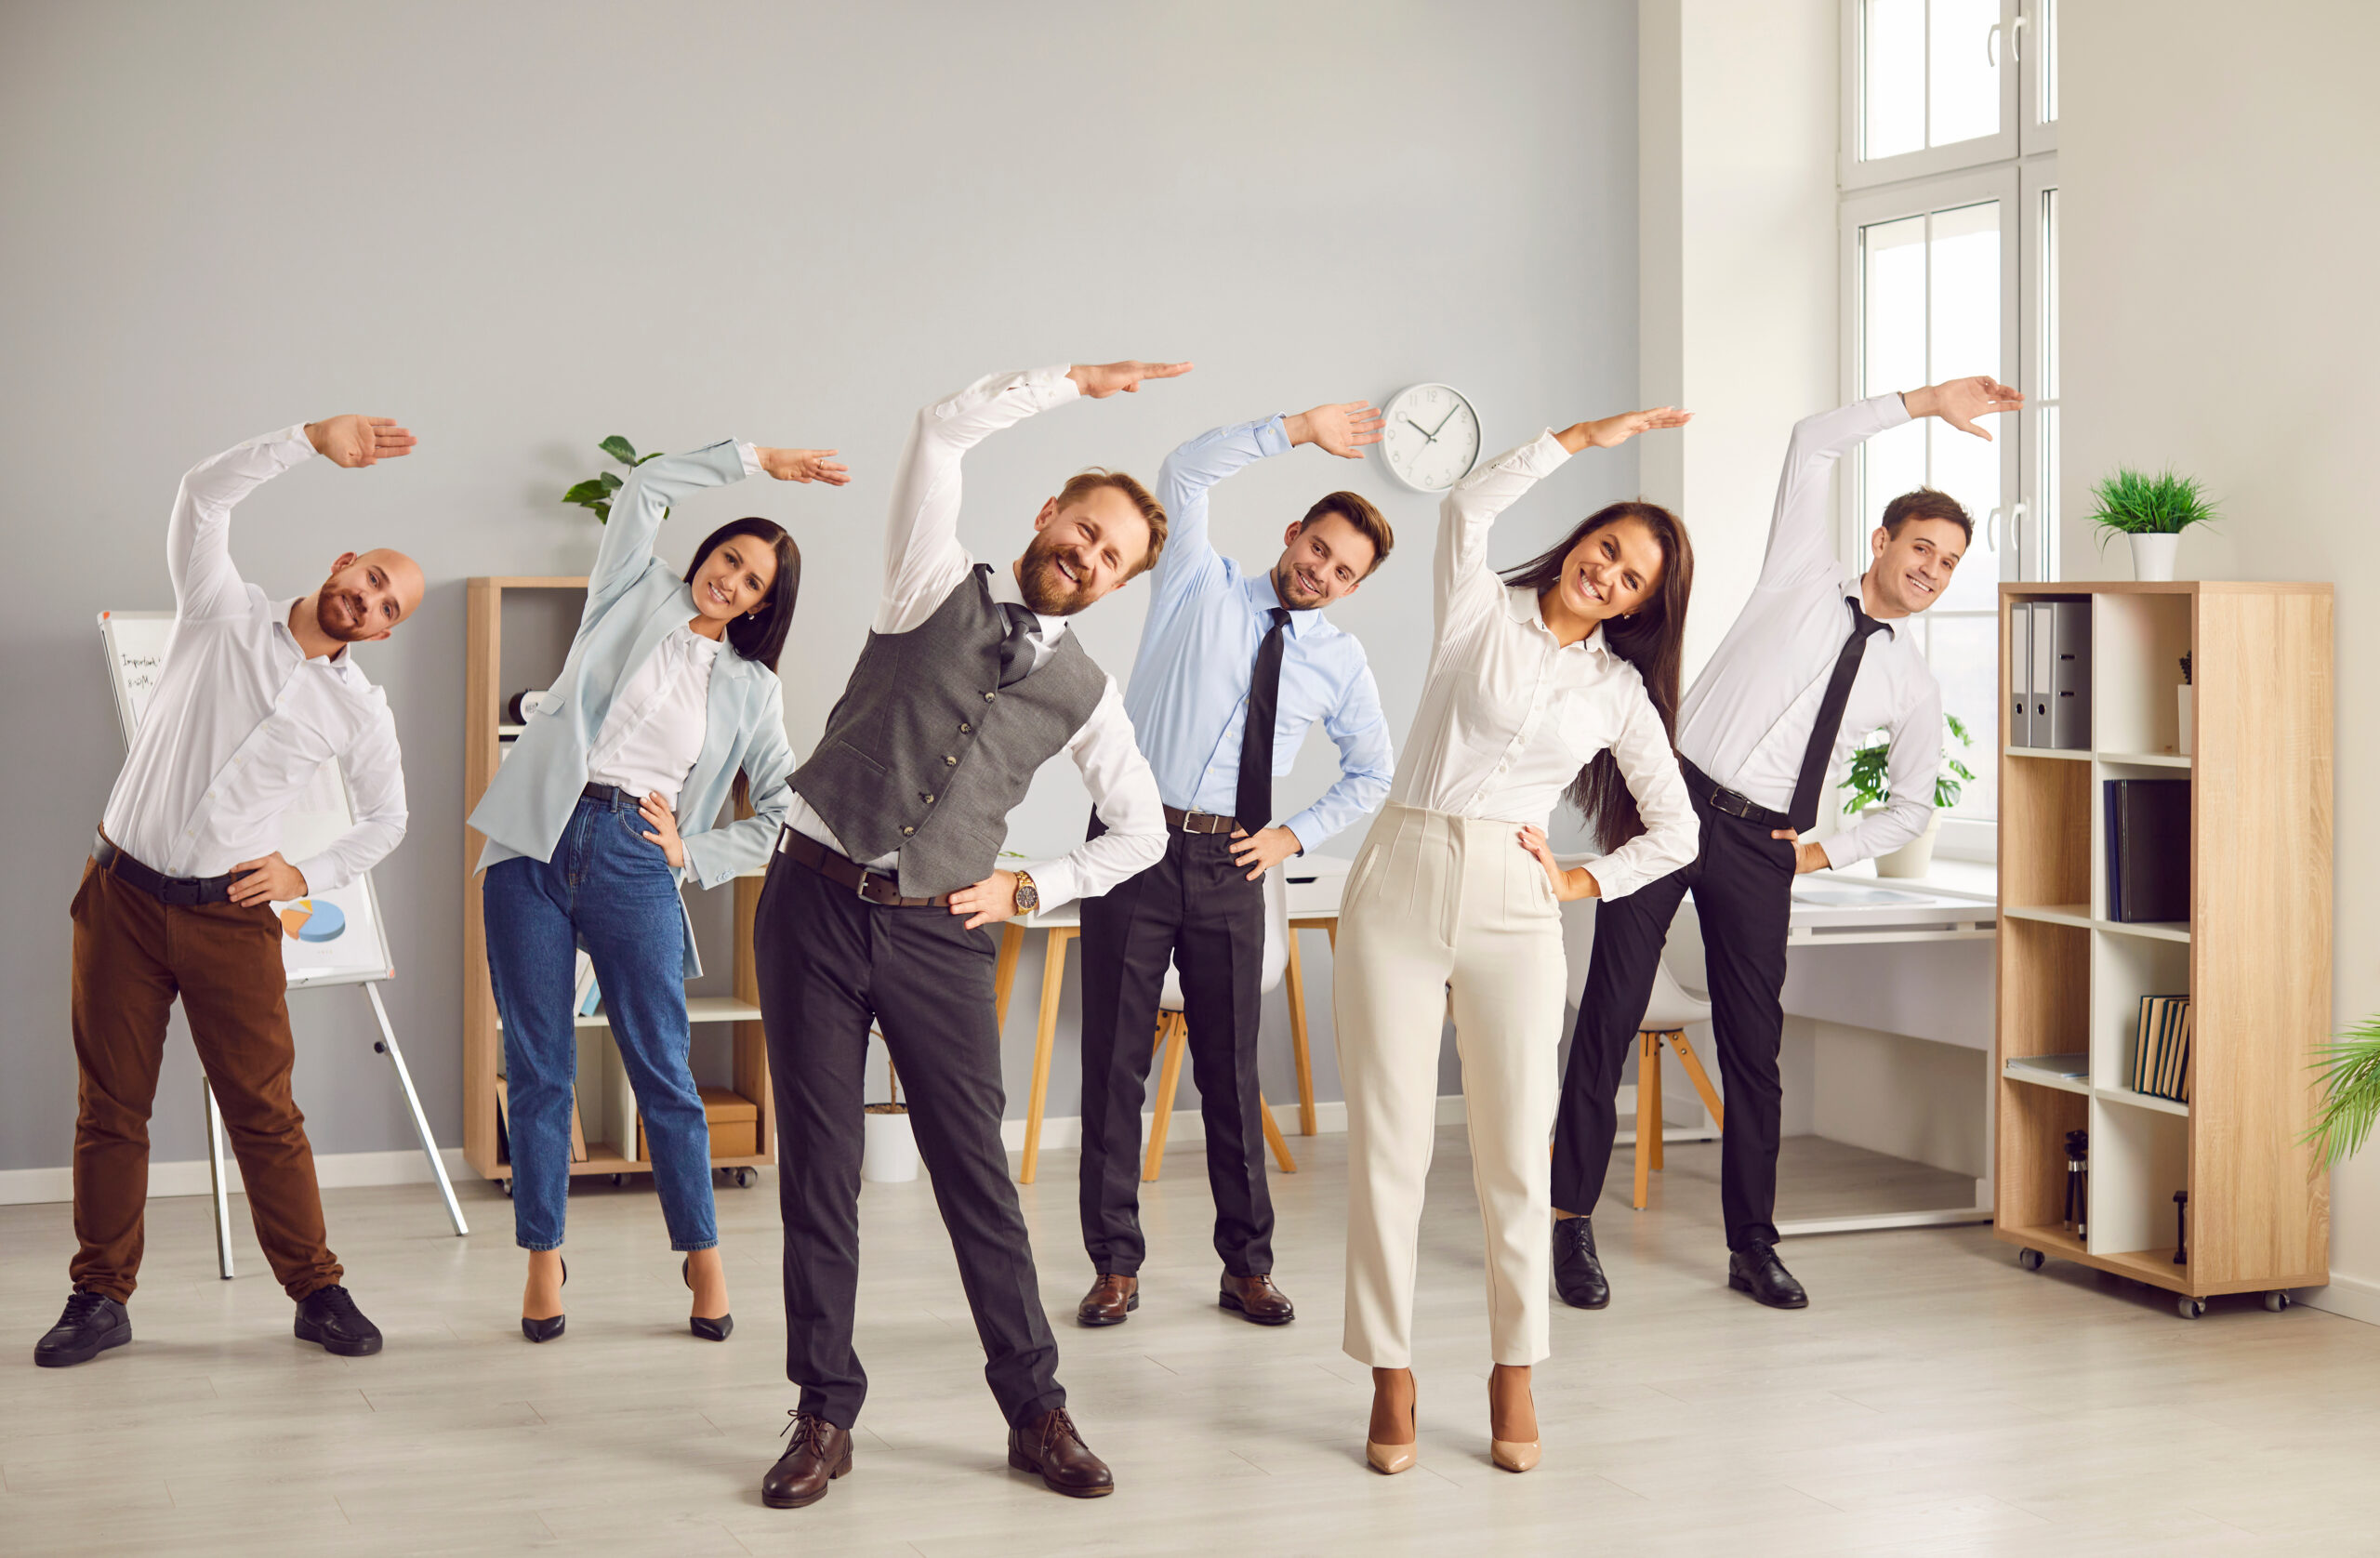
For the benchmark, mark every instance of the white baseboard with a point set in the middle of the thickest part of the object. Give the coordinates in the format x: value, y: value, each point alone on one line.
x: 332, y: 1172
x: 2350, y: 1296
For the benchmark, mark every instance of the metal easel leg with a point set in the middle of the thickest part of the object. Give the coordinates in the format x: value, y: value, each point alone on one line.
x: 387, y: 1046
x: 215, y: 1173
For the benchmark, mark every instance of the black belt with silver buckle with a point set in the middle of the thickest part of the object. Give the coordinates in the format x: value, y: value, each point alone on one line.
x: 1720, y: 799
x: 179, y: 893
x: 1199, y: 822
x: 845, y: 872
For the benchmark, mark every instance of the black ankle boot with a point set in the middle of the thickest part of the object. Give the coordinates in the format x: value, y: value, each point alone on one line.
x: 1578, y: 1271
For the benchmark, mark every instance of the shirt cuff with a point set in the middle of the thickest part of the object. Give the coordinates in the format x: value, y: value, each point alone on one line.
x: 294, y: 434
x: 1272, y: 438
x: 322, y: 872
x: 1891, y: 410
x: 1055, y: 881
x: 751, y: 458
x: 1309, y: 828
x: 1543, y: 454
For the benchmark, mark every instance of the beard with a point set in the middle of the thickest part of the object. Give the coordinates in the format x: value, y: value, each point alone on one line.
x: 1047, y: 592
x: 340, y: 614
x: 1290, y: 592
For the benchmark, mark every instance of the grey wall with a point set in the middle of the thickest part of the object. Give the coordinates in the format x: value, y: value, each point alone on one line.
x: 520, y: 228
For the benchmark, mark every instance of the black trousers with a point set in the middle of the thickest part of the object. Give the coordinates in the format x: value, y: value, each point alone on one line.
x: 829, y: 962
x: 1196, y: 910
x: 1743, y: 887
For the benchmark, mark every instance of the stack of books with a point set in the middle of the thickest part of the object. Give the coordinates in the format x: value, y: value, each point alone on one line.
x: 2161, y: 1056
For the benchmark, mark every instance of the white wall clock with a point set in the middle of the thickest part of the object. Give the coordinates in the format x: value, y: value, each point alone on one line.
x: 1429, y: 437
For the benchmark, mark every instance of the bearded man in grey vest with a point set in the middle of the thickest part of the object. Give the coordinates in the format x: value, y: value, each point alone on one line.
x: 884, y: 880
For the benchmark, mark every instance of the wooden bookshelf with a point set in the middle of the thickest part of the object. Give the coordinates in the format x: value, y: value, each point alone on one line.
x: 484, y: 731
x: 2254, y: 957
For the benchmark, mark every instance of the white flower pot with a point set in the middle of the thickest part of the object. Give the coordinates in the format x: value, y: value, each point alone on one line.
x: 1914, y: 858
x: 889, y: 1150
x: 2153, y: 556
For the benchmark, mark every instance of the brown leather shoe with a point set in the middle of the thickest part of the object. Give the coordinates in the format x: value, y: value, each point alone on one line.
x: 1047, y: 1443
x: 1110, y: 1300
x: 820, y: 1453
x: 1256, y: 1299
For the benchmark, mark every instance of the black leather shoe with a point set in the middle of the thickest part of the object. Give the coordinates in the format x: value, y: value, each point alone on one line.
x: 1577, y: 1271
x: 92, y: 1322
x: 1048, y: 1443
x: 820, y: 1453
x: 328, y: 1318
x: 1756, y: 1270
x: 552, y: 1325
x: 703, y: 1326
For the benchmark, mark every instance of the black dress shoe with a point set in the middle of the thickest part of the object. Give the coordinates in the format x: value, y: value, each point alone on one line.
x: 1048, y: 1443
x: 1577, y: 1271
x: 702, y: 1325
x: 1756, y: 1270
x: 328, y: 1318
x: 820, y: 1453
x: 552, y: 1325
x: 92, y: 1322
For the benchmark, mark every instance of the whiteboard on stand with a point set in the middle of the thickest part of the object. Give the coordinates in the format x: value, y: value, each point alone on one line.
x: 333, y: 938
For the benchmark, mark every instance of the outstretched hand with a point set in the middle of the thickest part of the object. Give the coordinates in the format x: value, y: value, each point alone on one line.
x: 1612, y: 432
x: 1342, y: 430
x: 1960, y: 400
x: 352, y: 441
x: 1105, y: 379
x: 804, y: 465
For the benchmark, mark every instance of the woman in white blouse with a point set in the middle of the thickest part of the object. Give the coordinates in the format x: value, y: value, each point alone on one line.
x: 1560, y: 678
x: 606, y: 805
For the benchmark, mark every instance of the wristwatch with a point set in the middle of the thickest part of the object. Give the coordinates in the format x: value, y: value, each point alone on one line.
x: 1028, y: 897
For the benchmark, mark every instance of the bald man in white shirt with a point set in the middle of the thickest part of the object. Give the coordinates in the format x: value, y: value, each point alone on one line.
x: 176, y: 899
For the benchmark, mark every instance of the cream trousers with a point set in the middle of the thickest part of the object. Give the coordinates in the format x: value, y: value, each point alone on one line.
x: 1437, y: 901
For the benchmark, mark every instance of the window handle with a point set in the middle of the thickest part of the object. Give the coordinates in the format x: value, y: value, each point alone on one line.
x: 1991, y: 530
x: 2017, y: 39
x: 1991, y: 47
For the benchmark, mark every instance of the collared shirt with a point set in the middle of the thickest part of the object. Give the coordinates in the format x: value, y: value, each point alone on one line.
x: 654, y: 731
x: 1188, y: 695
x: 242, y: 718
x: 1510, y: 714
x: 923, y: 563
x: 1746, y: 722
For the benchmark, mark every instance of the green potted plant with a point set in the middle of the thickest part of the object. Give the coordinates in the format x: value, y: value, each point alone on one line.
x: 2153, y: 511
x: 596, y: 491
x: 1870, y: 781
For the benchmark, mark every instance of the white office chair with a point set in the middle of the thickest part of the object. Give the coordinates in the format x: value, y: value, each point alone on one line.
x: 1173, y: 1033
x: 1670, y: 1009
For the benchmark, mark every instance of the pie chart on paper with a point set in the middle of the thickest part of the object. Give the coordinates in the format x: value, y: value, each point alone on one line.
x: 311, y: 919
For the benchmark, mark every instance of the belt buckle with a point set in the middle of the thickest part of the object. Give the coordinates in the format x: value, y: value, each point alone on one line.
x: 859, y: 888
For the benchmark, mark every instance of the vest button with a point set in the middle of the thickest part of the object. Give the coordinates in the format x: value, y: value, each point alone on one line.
x: 989, y: 696
x: 964, y: 727
x: 927, y: 796
x: 907, y: 831
x: 949, y: 762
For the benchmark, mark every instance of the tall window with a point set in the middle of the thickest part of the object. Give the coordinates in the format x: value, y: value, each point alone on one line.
x: 1948, y: 183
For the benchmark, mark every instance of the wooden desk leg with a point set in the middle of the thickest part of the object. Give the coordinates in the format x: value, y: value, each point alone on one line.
x: 1295, y: 979
x: 1053, y: 978
x: 1701, y: 1078
x: 1004, y: 970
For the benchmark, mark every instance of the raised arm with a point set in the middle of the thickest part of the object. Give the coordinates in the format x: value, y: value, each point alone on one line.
x: 645, y: 498
x: 922, y: 557
x: 1190, y: 559
x: 198, y: 537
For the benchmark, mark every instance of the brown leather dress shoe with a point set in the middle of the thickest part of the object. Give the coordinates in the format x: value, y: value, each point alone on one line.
x: 1257, y: 1299
x: 1047, y: 1443
x: 1110, y: 1300
x: 820, y: 1453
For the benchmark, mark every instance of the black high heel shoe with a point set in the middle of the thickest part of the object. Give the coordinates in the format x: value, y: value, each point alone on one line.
x: 709, y: 1330
x: 546, y: 1330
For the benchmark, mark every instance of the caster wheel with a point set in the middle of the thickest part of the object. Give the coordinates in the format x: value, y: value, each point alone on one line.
x: 2189, y: 1309
x: 507, y: 1188
x: 2031, y: 1260
x: 2275, y: 1300
x: 747, y: 1177
x: 619, y: 1180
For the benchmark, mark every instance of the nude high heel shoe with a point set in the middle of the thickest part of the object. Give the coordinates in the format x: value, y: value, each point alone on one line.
x: 1389, y: 1460
x: 1513, y: 1455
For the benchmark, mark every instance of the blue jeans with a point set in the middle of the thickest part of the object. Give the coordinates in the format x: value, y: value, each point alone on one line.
x: 610, y: 888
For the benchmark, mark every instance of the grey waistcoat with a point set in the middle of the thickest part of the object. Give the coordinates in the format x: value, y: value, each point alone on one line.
x: 927, y: 754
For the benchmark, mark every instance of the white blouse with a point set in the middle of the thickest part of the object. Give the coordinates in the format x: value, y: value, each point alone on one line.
x: 1509, y: 715
x: 659, y: 719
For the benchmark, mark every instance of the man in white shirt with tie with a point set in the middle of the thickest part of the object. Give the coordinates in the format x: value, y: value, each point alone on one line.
x: 1816, y: 660
x: 254, y: 697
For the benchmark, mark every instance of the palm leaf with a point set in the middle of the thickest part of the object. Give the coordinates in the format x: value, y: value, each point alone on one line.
x: 2349, y: 1068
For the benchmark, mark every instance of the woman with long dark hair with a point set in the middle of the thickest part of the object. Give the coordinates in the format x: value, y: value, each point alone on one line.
x: 1559, y: 679
x: 606, y: 806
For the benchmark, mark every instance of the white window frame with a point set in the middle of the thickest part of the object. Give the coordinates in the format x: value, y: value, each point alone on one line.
x: 1854, y: 172
x: 2034, y: 36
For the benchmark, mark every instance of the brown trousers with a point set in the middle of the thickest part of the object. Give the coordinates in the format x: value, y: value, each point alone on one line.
x: 132, y: 955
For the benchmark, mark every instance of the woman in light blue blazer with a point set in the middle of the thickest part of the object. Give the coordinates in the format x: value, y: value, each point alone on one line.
x: 606, y: 805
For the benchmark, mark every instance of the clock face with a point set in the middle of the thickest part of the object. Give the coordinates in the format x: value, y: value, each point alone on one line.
x: 1429, y: 437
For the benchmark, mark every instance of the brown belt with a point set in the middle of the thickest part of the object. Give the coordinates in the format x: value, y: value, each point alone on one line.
x: 1199, y: 822
x: 844, y: 872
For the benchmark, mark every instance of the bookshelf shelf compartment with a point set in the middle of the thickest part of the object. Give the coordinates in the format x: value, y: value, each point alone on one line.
x: 2254, y: 957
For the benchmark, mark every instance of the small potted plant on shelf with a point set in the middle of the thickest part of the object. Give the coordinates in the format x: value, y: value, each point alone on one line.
x: 595, y: 493
x: 1870, y: 781
x: 889, y: 1148
x: 2153, y: 511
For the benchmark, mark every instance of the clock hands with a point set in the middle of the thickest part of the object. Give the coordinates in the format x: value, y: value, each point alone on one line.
x: 1442, y: 422
x: 1427, y: 437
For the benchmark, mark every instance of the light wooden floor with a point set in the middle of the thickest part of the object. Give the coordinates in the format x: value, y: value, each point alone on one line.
x: 1934, y: 1399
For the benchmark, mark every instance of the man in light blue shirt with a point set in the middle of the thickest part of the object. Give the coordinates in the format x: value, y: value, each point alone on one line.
x: 1235, y: 667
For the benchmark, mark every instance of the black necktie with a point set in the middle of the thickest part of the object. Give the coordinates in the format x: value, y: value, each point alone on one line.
x: 1804, y: 814
x: 1016, y: 649
x: 1253, y: 807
